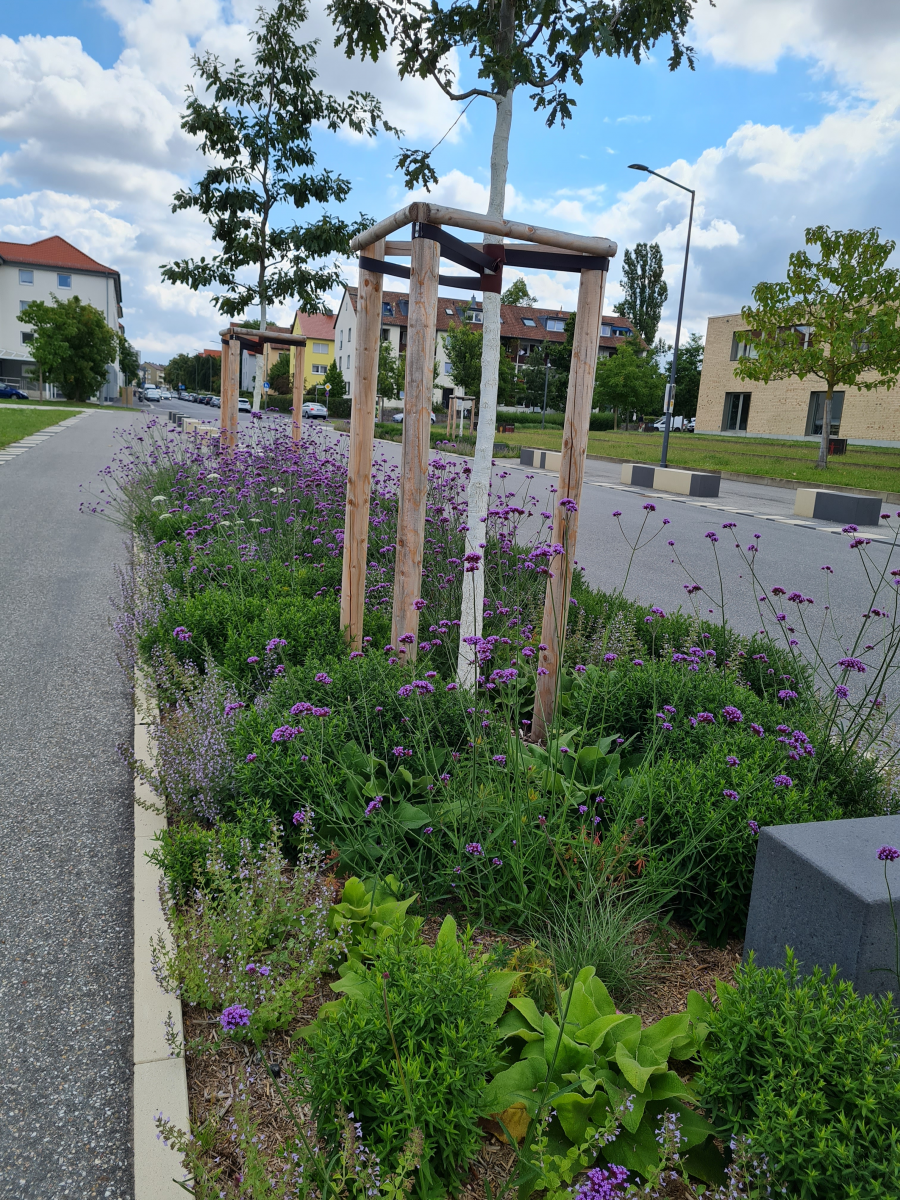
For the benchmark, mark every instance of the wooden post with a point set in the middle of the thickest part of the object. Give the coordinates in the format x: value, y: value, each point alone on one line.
x: 230, y: 386
x: 571, y: 477
x: 362, y: 433
x: 297, y: 407
x: 423, y: 298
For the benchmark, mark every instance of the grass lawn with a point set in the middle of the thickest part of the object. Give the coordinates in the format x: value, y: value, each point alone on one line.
x: 866, y: 467
x: 56, y: 405
x: 20, y: 423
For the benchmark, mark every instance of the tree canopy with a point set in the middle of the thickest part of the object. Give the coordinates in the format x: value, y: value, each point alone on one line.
x: 255, y: 125
x: 687, y: 376
x: 464, y: 347
x: 72, y: 345
x: 834, y: 318
x: 198, y: 372
x: 630, y: 381
x: 129, y: 361
x: 517, y: 293
x: 391, y: 372
x: 645, y: 289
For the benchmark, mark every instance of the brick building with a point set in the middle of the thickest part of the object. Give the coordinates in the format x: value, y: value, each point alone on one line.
x: 522, y: 330
x: 790, y: 408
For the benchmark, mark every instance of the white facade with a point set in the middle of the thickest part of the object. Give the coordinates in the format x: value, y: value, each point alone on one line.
x: 23, y: 281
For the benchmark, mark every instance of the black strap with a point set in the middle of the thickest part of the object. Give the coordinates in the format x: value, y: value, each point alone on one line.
x: 520, y: 257
x: 457, y: 251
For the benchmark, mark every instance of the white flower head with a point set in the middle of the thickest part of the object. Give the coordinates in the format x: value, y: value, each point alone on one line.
x: 158, y: 500
x: 276, y: 489
x: 213, y: 475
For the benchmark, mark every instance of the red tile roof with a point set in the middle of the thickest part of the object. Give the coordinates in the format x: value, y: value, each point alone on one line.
x: 52, y: 252
x: 512, y: 316
x: 316, y: 325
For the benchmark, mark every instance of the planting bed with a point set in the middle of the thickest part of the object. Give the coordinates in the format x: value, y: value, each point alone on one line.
x: 399, y: 924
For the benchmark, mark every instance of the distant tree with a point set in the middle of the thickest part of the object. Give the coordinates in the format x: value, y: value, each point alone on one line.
x: 391, y: 373
x: 463, y: 345
x: 533, y: 376
x: 72, y: 345
x: 629, y: 381
x: 560, y: 355
x: 338, y: 400
x: 835, y: 318
x: 645, y: 289
x: 257, y: 131
x: 280, y: 374
x: 518, y: 293
x: 129, y: 361
x: 687, y: 376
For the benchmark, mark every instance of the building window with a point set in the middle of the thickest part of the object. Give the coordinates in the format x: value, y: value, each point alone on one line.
x: 349, y: 335
x: 387, y: 308
x: 816, y: 413
x: 64, y: 281
x: 26, y: 278
x: 448, y: 369
x: 341, y: 343
x: 556, y: 325
x: 23, y: 304
x: 742, y: 345
x: 529, y: 321
x: 26, y: 338
x: 475, y: 315
x: 319, y: 369
x: 737, y: 410
x: 320, y: 347
x: 347, y: 388
x: 449, y: 312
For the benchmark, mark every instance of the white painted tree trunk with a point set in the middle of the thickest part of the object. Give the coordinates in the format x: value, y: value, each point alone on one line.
x: 260, y: 360
x: 480, y: 479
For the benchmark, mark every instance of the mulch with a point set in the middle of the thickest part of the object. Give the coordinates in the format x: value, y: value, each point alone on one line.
x: 214, y: 1076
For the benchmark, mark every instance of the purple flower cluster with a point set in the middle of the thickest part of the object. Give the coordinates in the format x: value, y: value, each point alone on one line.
x: 234, y: 1017
x: 888, y: 854
x: 603, y: 1183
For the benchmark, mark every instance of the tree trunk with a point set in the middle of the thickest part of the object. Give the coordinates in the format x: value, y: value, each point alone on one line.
x: 822, y: 461
x: 260, y: 357
x: 480, y: 479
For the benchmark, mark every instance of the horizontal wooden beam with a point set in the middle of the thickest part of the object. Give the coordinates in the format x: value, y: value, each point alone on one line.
x: 283, y: 339
x: 404, y: 249
x: 439, y: 214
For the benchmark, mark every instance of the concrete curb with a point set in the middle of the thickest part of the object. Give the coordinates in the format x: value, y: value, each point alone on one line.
x: 160, y: 1081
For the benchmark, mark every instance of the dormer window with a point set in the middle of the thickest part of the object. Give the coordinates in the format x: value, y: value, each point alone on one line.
x: 475, y: 315
x: 556, y: 325
x: 387, y: 308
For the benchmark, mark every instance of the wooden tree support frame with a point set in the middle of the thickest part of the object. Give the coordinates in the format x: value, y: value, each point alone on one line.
x: 549, y: 249
x: 235, y: 339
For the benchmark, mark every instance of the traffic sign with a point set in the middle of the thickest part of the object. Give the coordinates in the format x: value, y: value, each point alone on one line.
x: 266, y: 385
x: 327, y: 388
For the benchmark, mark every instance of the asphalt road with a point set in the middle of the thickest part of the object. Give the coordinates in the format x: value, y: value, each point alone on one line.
x: 66, y: 832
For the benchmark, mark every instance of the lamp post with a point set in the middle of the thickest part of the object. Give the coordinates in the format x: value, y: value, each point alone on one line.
x: 670, y: 389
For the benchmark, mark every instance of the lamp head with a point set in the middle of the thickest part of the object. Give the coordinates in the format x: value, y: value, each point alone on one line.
x: 638, y: 167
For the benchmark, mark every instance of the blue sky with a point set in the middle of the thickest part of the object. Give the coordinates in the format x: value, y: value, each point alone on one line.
x: 790, y: 119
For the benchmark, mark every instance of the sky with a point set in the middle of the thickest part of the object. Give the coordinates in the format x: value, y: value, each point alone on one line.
x: 790, y: 119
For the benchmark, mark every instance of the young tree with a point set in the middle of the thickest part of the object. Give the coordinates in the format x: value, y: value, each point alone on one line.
x: 517, y: 293
x: 645, y: 289
x: 687, y: 376
x: 834, y: 318
x: 129, y: 362
x: 338, y: 400
x: 280, y: 374
x: 628, y: 380
x: 464, y: 345
x: 538, y: 44
x: 256, y: 128
x: 72, y: 345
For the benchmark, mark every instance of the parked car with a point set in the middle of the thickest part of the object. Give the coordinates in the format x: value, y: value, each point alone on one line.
x: 153, y: 394
x: 244, y: 405
x: 12, y: 393
x: 398, y: 417
x: 215, y: 401
x: 316, y: 412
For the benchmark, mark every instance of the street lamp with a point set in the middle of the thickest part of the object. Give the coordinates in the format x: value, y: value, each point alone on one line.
x: 670, y: 389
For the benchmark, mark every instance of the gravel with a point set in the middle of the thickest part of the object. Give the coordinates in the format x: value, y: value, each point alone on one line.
x: 66, y: 830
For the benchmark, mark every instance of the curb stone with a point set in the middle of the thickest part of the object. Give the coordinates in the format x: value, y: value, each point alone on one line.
x: 160, y: 1081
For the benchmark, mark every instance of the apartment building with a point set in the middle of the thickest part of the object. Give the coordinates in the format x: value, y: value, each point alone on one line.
x: 522, y: 329
x: 789, y: 408
x: 318, y: 329
x: 40, y: 271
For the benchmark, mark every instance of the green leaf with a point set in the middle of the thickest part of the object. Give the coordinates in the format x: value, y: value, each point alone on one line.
x: 706, y: 1162
x: 577, y: 1112
x: 447, y: 935
x: 410, y: 816
x: 670, y: 1086
x: 499, y: 984
x: 595, y: 1034
x: 530, y: 1011
x: 518, y: 1084
x: 635, y: 1072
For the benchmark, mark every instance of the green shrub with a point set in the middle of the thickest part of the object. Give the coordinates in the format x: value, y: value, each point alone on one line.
x: 809, y: 1071
x: 410, y: 1046
x: 601, y: 422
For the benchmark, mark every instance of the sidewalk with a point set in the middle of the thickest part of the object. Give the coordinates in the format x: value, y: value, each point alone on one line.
x: 66, y: 830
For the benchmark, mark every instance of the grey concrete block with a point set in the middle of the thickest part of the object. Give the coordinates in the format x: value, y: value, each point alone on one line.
x: 642, y: 476
x: 840, y: 507
x: 526, y: 457
x: 819, y: 888
x: 705, y: 485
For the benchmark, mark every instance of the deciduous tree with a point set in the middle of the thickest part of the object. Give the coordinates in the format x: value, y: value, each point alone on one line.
x: 72, y: 344
x: 129, y: 361
x: 645, y: 289
x: 687, y: 376
x: 835, y: 318
x: 628, y: 380
x: 255, y: 124
x: 537, y: 44
x: 517, y: 293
